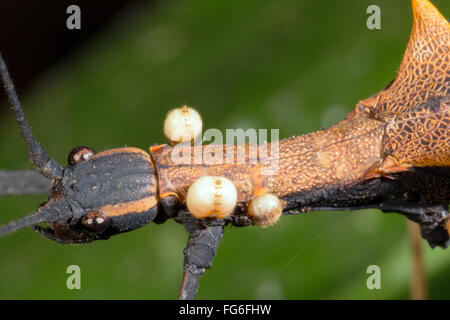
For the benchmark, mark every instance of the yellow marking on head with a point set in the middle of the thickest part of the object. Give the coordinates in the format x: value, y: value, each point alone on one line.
x: 169, y: 194
x: 155, y: 148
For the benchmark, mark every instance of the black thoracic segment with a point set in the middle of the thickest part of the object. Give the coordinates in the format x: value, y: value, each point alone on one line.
x: 360, y: 195
x: 421, y: 186
x: 131, y: 221
x: 421, y: 194
x: 111, y: 179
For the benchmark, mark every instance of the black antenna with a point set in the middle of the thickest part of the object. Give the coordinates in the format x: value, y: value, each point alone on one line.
x: 41, y: 215
x: 48, y: 167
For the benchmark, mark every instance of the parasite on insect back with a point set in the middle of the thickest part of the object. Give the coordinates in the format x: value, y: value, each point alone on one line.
x: 182, y: 125
x: 265, y: 210
x: 211, y: 197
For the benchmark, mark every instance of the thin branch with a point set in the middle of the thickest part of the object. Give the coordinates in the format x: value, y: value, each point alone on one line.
x: 418, y: 277
x: 18, y: 182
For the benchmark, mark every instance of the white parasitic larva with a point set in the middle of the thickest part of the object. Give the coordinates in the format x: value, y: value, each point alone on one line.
x: 265, y: 210
x: 182, y: 125
x: 211, y: 197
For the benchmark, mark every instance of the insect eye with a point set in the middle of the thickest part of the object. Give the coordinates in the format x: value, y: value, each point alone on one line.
x: 95, y: 221
x: 80, y: 154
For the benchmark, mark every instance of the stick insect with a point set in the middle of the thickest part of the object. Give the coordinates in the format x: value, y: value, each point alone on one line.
x: 390, y: 153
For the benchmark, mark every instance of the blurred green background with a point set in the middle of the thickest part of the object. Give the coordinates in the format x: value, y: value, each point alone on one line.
x: 297, y: 65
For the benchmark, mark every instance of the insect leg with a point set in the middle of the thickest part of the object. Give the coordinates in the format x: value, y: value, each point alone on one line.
x: 13, y: 182
x: 48, y: 213
x: 434, y: 221
x: 203, y: 241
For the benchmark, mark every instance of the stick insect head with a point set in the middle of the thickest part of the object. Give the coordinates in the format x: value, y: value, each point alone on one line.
x: 99, y: 195
x: 92, y: 198
x: 111, y: 192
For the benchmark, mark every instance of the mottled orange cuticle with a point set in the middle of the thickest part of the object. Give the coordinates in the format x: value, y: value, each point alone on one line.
x: 417, y: 131
x: 401, y: 128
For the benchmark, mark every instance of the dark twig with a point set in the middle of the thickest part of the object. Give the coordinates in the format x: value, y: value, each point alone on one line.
x: 16, y: 182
